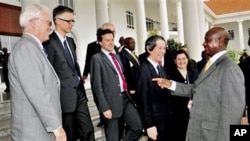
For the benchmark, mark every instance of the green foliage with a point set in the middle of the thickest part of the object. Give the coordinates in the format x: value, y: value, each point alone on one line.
x: 152, y: 32
x: 235, y: 54
x: 173, y: 45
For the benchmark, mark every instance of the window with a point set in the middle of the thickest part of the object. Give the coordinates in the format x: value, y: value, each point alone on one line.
x: 149, y: 24
x: 68, y: 3
x: 130, y: 20
x: 231, y: 34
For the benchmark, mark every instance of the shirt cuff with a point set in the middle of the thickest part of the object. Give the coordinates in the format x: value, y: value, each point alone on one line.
x: 173, y: 86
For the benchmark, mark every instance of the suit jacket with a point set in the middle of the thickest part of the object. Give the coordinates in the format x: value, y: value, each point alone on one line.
x: 218, y: 101
x: 131, y: 67
x: 65, y: 71
x: 153, y: 101
x: 105, y: 84
x: 92, y: 49
x: 35, y: 93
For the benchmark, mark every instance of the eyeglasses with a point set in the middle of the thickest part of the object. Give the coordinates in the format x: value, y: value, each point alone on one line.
x: 68, y: 21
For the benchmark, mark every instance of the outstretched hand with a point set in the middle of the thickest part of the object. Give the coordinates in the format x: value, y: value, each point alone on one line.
x: 162, y: 82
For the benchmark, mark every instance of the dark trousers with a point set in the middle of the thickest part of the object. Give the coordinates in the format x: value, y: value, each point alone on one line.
x: 131, y: 119
x: 78, y: 124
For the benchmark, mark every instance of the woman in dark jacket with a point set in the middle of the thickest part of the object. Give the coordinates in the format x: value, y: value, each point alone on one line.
x: 182, y: 73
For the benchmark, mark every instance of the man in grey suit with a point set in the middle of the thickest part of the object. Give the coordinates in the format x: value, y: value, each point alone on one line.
x: 110, y: 90
x: 62, y: 56
x: 34, y: 85
x: 218, y: 93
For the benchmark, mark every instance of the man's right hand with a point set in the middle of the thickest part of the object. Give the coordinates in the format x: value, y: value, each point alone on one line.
x: 162, y: 82
x: 108, y: 114
x: 60, y: 134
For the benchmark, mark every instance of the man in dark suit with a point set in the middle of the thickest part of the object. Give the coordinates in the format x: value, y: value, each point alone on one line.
x: 153, y: 102
x: 110, y: 90
x: 92, y: 49
x: 130, y: 63
x: 218, y: 93
x: 62, y: 56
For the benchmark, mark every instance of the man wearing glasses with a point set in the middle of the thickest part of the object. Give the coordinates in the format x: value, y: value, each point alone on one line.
x: 61, y: 53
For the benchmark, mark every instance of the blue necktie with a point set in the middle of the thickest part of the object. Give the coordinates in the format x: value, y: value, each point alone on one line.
x: 45, y: 52
x: 70, y: 58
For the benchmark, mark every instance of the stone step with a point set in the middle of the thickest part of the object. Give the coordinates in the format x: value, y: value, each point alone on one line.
x: 6, y: 138
x: 5, y: 104
x: 4, y: 128
x: 5, y: 116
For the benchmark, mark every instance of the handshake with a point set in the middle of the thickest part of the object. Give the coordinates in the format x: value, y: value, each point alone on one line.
x: 163, y: 82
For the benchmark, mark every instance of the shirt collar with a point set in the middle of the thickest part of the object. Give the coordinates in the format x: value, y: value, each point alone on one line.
x: 217, y: 56
x: 61, y: 38
x: 36, y: 39
x: 155, y: 64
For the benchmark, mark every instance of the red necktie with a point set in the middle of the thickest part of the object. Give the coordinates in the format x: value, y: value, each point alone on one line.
x: 160, y: 63
x: 124, y: 83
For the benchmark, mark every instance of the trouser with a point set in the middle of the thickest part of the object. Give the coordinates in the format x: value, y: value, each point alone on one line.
x: 78, y: 124
x: 131, y: 119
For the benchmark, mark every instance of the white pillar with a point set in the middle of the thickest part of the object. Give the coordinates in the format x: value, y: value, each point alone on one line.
x: 141, y: 26
x: 180, y: 22
x: 201, y: 18
x: 102, y: 15
x: 192, y: 33
x: 25, y: 3
x: 206, y: 25
x: 164, y: 18
x: 241, y: 37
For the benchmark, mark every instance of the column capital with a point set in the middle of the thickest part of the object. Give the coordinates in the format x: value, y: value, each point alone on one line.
x: 239, y: 21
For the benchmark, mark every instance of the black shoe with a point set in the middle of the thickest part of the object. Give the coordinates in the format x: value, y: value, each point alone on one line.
x: 100, y: 124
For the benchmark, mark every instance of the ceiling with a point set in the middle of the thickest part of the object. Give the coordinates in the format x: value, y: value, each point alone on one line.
x: 220, y: 7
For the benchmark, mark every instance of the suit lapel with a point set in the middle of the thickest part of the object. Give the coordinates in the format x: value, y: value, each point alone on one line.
x: 211, y: 69
x: 152, y: 69
x: 38, y: 47
x: 58, y: 42
x: 106, y: 60
x: 131, y: 58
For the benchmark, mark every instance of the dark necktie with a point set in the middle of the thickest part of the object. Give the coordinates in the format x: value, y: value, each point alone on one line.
x: 69, y: 56
x: 71, y: 60
x: 118, y: 68
x: 160, y: 71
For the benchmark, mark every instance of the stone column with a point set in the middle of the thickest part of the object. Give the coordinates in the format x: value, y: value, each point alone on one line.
x: 102, y: 15
x: 180, y: 22
x: 241, y: 36
x: 164, y: 18
x: 192, y: 29
x: 25, y: 3
x: 141, y: 25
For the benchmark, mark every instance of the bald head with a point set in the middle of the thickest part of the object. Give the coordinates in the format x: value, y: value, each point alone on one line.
x: 109, y: 26
x: 219, y: 33
x: 216, y: 40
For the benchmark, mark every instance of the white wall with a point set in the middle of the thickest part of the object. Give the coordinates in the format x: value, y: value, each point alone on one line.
x: 234, y: 44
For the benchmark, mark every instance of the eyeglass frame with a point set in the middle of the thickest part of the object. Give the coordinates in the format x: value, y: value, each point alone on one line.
x: 68, y: 21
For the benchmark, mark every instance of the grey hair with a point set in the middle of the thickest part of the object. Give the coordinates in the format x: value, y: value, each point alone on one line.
x: 31, y: 12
